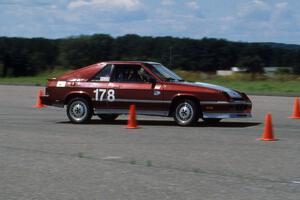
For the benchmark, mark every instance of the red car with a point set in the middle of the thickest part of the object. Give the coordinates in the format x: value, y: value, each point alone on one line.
x: 107, y: 89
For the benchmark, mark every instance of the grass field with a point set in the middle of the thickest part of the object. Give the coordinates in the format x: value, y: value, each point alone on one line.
x: 280, y: 84
x: 38, y: 80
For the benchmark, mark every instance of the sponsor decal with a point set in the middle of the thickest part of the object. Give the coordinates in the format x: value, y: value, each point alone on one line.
x: 61, y: 84
x: 157, y: 87
x: 104, y: 79
x: 156, y: 93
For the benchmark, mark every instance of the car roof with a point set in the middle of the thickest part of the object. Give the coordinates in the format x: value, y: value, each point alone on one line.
x: 129, y: 62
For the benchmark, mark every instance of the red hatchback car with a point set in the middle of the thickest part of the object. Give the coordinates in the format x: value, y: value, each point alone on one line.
x: 107, y: 89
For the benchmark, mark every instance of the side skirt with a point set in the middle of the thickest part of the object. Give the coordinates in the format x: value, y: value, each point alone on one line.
x: 138, y: 112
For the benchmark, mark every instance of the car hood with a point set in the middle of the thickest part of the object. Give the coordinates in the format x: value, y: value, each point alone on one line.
x: 232, y: 93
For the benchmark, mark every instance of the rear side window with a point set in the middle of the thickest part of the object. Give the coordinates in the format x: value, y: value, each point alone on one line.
x: 104, y: 74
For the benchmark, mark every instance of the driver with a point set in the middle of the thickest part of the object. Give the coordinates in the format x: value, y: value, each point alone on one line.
x: 134, y: 76
x: 144, y: 75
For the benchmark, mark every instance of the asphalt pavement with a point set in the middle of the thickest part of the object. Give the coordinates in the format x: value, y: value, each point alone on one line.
x: 43, y: 156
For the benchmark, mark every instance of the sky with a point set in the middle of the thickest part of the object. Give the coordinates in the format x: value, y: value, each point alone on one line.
x: 236, y: 20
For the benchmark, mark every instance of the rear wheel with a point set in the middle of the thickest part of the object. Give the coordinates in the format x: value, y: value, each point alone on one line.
x: 79, y: 111
x: 211, y: 120
x: 186, y: 113
x: 108, y: 117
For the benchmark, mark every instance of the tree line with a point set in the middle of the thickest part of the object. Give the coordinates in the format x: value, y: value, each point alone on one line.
x: 30, y: 56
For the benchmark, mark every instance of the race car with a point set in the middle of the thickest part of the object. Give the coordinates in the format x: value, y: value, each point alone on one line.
x: 107, y: 89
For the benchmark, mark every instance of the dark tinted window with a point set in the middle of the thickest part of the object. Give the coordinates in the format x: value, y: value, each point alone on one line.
x: 130, y: 73
x: 104, y: 74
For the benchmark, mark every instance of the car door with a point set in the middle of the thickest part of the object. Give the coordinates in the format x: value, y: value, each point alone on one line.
x: 128, y: 87
x: 97, y: 85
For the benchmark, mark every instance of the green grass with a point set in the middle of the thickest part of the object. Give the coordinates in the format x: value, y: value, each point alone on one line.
x: 280, y: 84
x: 263, y: 87
x: 40, y: 79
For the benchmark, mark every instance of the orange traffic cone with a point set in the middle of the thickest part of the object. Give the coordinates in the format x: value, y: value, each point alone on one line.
x: 132, y: 124
x: 39, y: 103
x: 268, y: 132
x: 296, y: 111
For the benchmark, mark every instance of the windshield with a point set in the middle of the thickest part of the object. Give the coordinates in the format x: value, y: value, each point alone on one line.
x: 164, y: 73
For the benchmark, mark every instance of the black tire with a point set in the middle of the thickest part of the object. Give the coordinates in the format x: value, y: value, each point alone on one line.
x: 108, y: 117
x: 186, y: 113
x: 211, y: 120
x: 79, y: 111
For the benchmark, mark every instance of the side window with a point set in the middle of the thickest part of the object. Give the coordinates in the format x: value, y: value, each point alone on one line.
x: 145, y: 75
x: 104, y: 74
x: 129, y: 74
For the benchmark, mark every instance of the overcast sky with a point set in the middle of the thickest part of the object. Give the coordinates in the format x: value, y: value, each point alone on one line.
x: 238, y: 20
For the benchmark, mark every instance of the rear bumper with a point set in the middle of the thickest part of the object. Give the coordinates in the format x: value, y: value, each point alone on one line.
x: 46, y: 100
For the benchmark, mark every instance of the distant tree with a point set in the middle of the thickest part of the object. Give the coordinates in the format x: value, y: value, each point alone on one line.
x: 22, y: 57
x: 254, y: 65
x: 84, y: 50
x: 296, y: 69
x: 296, y: 66
x: 6, y: 64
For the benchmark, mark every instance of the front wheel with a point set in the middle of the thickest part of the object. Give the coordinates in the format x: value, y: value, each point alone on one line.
x: 79, y: 111
x: 186, y: 113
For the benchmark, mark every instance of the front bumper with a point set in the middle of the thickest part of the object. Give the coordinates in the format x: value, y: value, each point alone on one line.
x: 226, y: 115
x: 224, y: 109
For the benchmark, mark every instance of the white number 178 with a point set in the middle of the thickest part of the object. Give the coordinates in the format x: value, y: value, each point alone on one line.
x: 100, y: 94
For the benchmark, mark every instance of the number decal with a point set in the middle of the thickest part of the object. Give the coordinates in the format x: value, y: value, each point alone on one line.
x: 111, y: 95
x: 100, y: 93
x: 97, y: 94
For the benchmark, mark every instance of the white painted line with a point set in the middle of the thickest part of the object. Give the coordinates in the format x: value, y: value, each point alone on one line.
x: 112, y: 158
x: 296, y: 182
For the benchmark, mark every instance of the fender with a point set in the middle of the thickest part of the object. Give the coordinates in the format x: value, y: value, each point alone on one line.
x: 181, y: 96
x: 76, y: 93
x: 185, y: 95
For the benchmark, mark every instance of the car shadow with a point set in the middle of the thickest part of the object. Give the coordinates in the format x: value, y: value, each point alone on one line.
x: 170, y: 123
